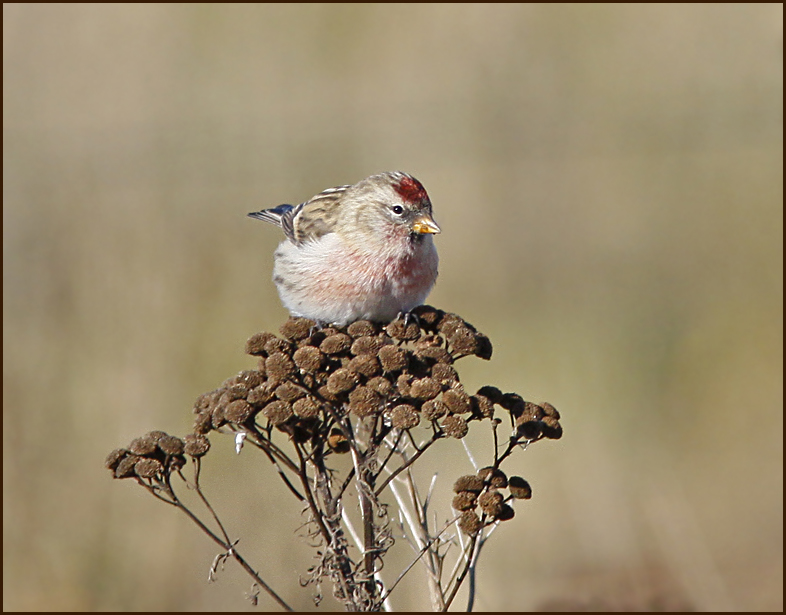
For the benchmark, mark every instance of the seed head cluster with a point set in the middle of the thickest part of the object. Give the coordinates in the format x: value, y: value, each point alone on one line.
x: 309, y: 379
x: 402, y: 371
x: 155, y: 453
x: 484, y: 490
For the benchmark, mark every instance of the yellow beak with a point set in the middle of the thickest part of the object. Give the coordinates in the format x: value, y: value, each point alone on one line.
x: 425, y: 224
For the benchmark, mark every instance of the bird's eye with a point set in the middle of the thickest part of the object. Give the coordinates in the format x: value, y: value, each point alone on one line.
x: 397, y: 209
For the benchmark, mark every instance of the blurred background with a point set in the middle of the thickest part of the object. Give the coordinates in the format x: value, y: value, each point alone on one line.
x: 609, y: 181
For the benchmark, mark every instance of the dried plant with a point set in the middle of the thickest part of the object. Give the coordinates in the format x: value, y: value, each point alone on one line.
x: 384, y: 395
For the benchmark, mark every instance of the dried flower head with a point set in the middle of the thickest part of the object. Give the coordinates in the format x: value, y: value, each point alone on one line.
x: 405, y: 416
x: 196, y: 445
x: 455, y: 426
x: 147, y: 467
x: 308, y: 359
x: 171, y: 445
x: 519, y: 488
x: 342, y: 380
x: 494, y: 477
x: 393, y: 358
x: 338, y: 442
x: 296, y: 329
x: 468, y: 482
x: 491, y: 502
x: 434, y: 409
x: 238, y: 411
x: 337, y: 343
x: 469, y: 522
x: 256, y: 344
x: 364, y: 401
x: 277, y: 412
x: 465, y: 500
x: 306, y: 407
x: 279, y: 367
x: 362, y: 328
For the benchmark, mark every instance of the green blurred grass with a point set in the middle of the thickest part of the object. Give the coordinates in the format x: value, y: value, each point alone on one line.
x: 609, y: 182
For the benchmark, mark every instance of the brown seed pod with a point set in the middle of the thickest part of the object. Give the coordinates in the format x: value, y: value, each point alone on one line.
x: 455, y: 426
x: 428, y: 316
x: 482, y: 406
x: 276, y: 344
x: 465, y: 500
x: 392, y: 358
x: 297, y: 328
x: 203, y: 422
x: 398, y: 330
x: 367, y: 345
x: 325, y: 393
x: 362, y: 328
x: 425, y: 389
x: 366, y: 365
x: 143, y: 446
x: 196, y: 445
x: 259, y: 396
x: 468, y: 482
x: 308, y: 359
x: 496, y: 478
x: 434, y: 409
x: 404, y: 383
x: 125, y: 468
x: 491, y: 502
x: 549, y: 410
x: 404, y: 416
x: 217, y: 416
x: 289, y: 391
x: 484, y: 348
x: 364, y: 401
x: 233, y: 392
x: 457, y: 401
x: 513, y: 403
x: 341, y: 381
x: 338, y: 442
x: 170, y: 445
x: 445, y: 374
x: 527, y: 428
x: 306, y: 407
x: 506, y: 513
x: 279, y: 367
x: 381, y: 385
x: 250, y: 378
x: 469, y: 523
x: 114, y: 458
x: 434, y: 354
x: 531, y: 412
x: 463, y: 341
x: 551, y: 428
x: 256, y: 344
x: 335, y: 344
x: 277, y: 412
x: 493, y: 393
x: 206, y: 400
x: 148, y: 468
x: 519, y: 488
x: 449, y: 323
x: 238, y: 411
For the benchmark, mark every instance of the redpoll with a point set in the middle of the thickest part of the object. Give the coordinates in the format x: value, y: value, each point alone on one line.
x: 362, y: 251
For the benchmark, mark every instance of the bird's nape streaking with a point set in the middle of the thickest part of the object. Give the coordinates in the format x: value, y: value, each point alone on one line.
x: 360, y: 251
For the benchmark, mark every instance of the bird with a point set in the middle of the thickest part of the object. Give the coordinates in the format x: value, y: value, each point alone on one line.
x: 361, y: 251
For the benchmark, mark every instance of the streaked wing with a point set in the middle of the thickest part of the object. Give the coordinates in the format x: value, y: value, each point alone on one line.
x: 315, y: 217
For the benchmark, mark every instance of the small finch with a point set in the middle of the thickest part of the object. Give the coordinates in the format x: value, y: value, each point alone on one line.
x: 361, y: 251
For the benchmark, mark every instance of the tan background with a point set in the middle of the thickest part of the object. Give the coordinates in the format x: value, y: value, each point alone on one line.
x: 609, y: 182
